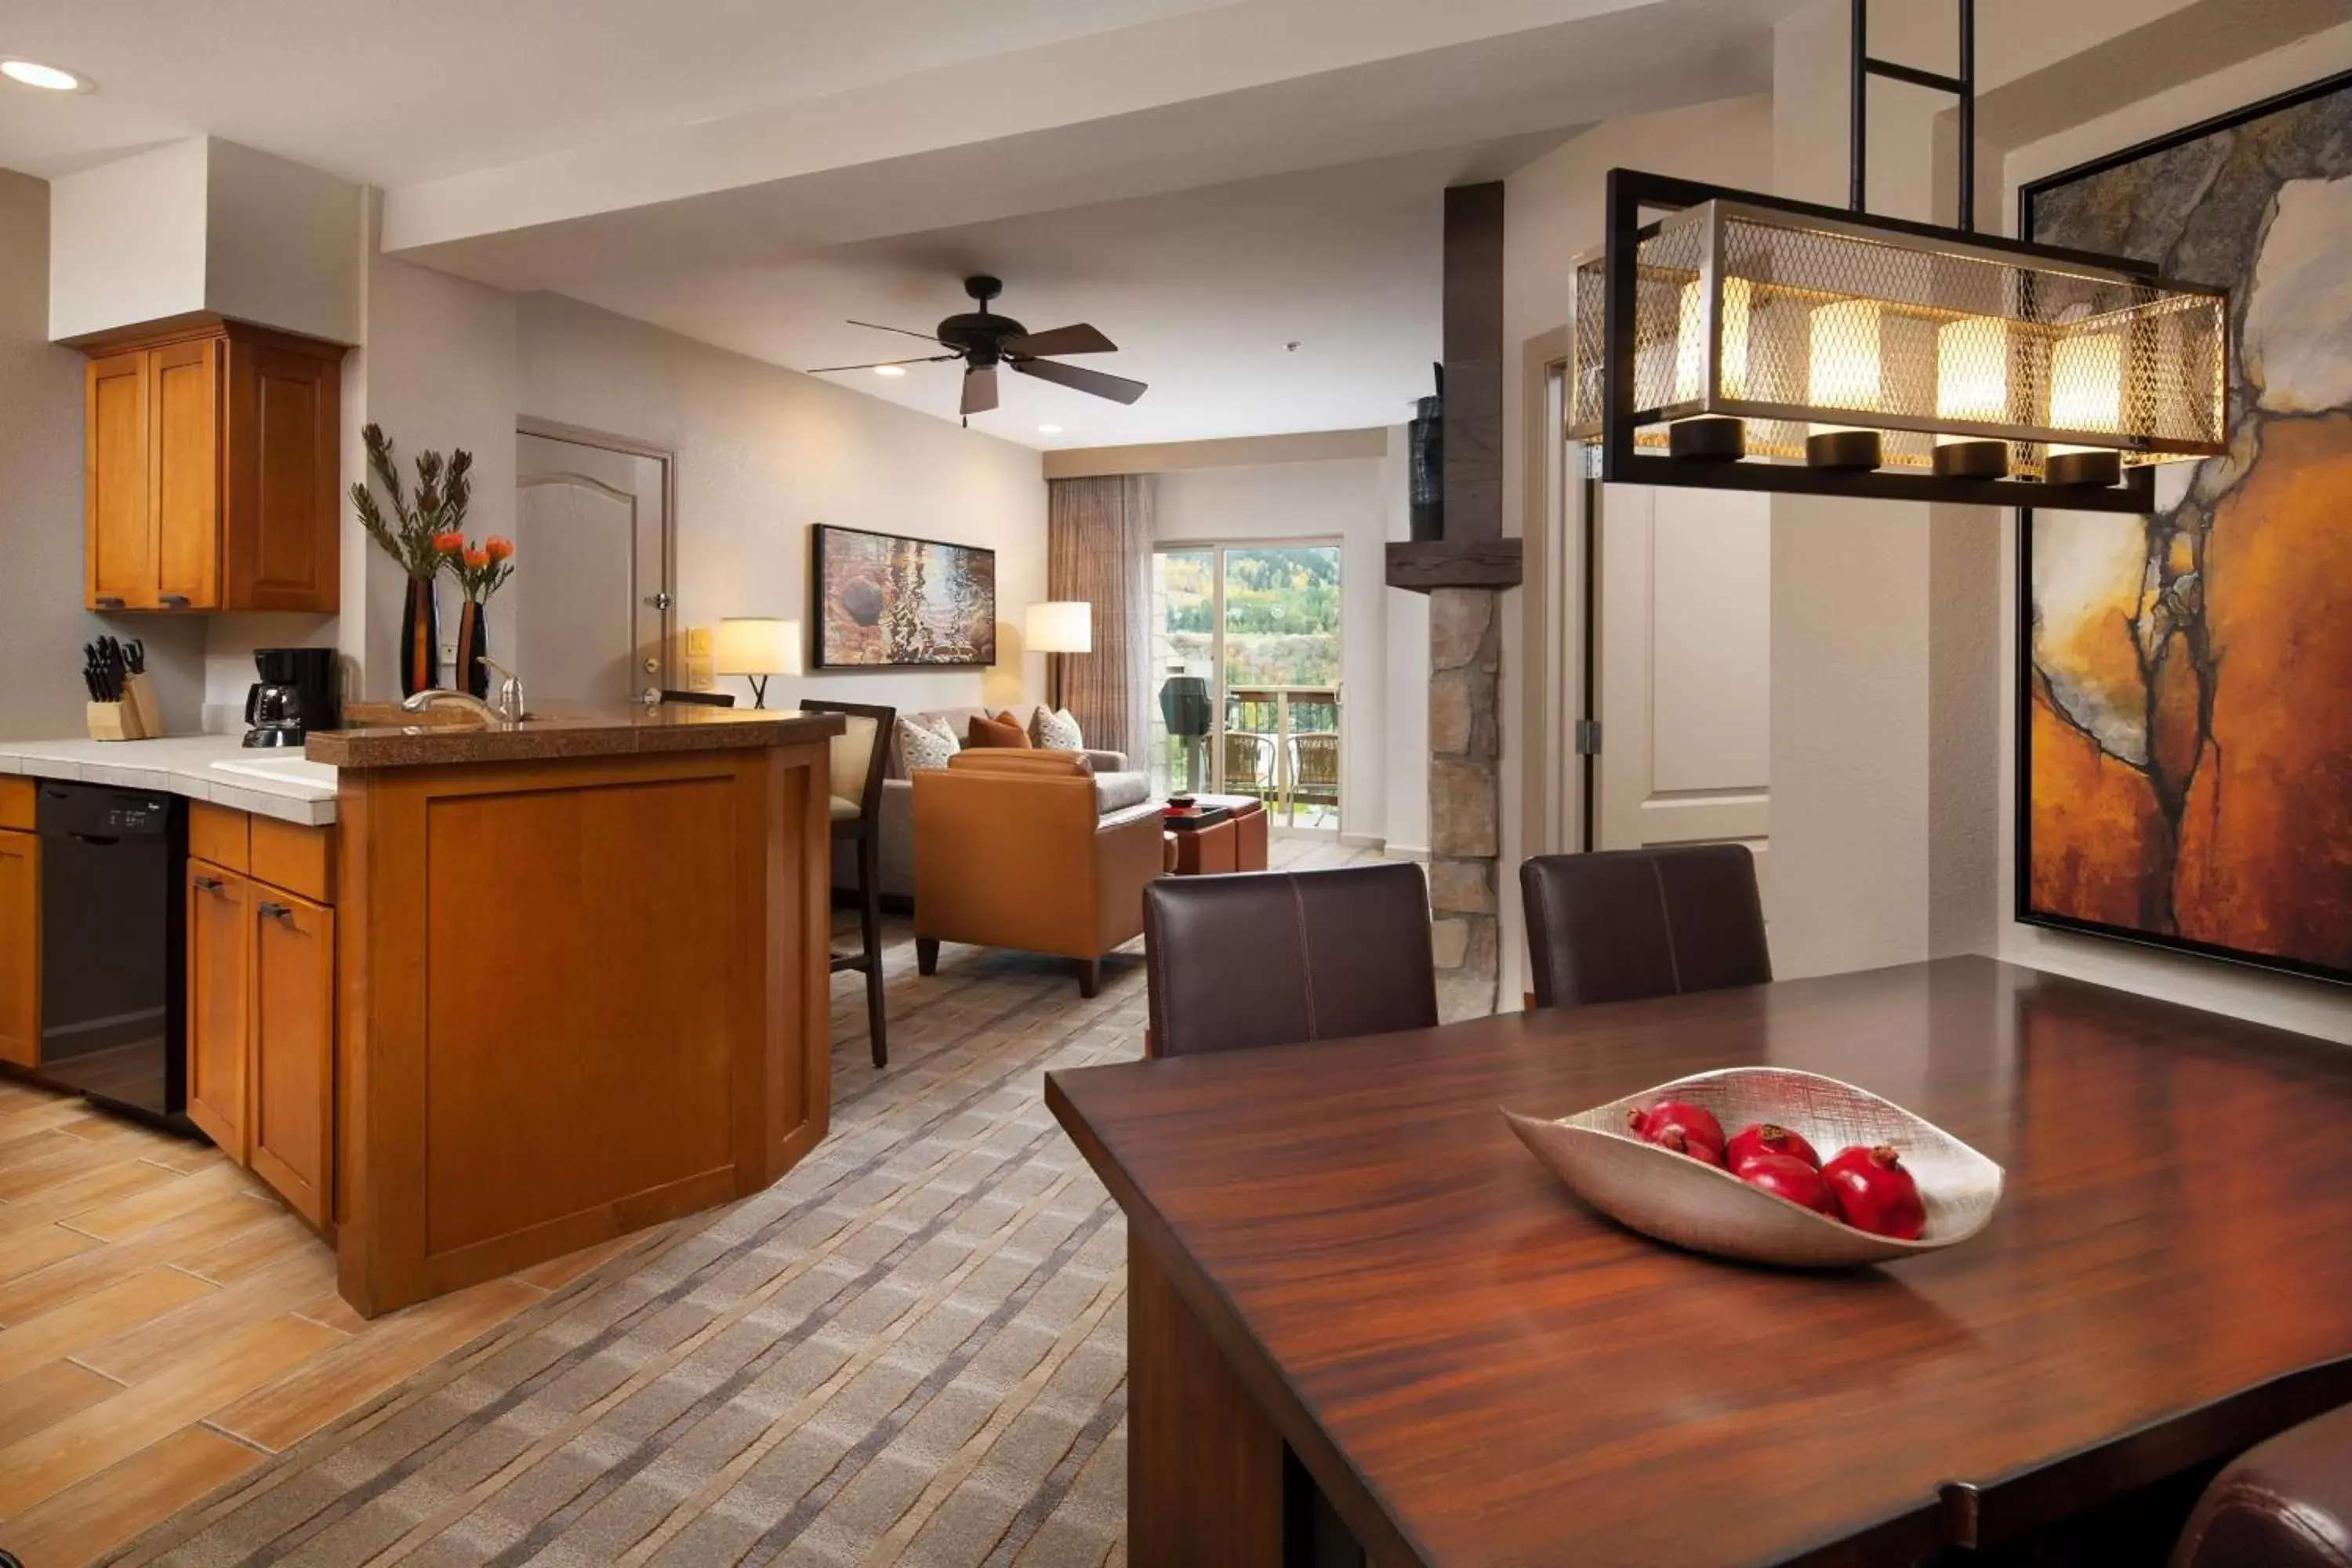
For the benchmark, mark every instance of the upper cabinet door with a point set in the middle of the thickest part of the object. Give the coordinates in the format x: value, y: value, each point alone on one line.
x: 186, y: 412
x: 20, y: 949
x: 118, y: 540
x: 282, y: 500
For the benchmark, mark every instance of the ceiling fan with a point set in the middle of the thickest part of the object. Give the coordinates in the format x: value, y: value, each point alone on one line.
x: 984, y: 340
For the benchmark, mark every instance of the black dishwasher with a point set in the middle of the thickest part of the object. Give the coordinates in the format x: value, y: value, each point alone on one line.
x: 113, y: 946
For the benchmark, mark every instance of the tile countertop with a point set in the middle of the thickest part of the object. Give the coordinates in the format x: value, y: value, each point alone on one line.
x: 182, y: 764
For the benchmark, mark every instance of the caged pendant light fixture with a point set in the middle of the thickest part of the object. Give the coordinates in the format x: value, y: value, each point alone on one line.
x: 1736, y: 341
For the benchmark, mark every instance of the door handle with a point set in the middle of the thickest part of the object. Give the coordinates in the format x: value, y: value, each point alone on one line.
x: 108, y: 601
x: 270, y: 910
x: 207, y: 884
x: 172, y: 601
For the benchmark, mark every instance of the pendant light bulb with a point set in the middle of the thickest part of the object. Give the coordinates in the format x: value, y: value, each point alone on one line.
x: 1972, y: 371
x: 2086, y: 392
x: 1842, y: 368
x: 1691, y: 346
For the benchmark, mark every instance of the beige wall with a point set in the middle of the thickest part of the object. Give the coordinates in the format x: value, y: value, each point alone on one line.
x: 42, y: 623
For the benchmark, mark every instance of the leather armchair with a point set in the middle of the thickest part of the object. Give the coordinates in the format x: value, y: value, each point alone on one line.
x: 1011, y: 852
x: 2286, y: 1504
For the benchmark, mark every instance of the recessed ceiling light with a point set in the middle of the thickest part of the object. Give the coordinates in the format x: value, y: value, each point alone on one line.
x: 890, y: 370
x: 32, y: 73
x: 1049, y: 429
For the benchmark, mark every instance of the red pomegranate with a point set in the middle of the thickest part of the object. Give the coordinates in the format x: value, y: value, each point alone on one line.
x: 1786, y: 1176
x: 1875, y: 1193
x: 1679, y: 1125
x: 1764, y: 1138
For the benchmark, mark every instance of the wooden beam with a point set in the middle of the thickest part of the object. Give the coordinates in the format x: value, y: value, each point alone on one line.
x: 1474, y: 362
x: 1455, y: 564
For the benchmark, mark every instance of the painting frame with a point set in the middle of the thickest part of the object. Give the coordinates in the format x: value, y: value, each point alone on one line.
x: 2023, y: 909
x: 826, y: 654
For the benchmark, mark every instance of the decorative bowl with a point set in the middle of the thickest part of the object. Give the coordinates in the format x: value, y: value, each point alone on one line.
x: 1705, y: 1208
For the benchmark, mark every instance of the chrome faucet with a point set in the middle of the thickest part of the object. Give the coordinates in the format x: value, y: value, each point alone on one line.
x: 506, y: 710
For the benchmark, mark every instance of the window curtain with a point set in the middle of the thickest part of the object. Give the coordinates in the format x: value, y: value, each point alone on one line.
x: 1099, y: 549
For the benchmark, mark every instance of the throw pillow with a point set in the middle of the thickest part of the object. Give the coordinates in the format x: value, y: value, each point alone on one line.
x: 925, y: 742
x: 1056, y: 732
x: 1001, y: 730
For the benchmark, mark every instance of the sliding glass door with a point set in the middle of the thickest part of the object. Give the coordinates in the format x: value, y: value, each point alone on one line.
x: 1245, y: 652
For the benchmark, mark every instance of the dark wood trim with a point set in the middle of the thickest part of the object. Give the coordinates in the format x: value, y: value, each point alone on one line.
x: 1455, y: 564
x: 1474, y: 362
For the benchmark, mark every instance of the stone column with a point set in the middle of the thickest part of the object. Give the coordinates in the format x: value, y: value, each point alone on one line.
x: 1465, y: 656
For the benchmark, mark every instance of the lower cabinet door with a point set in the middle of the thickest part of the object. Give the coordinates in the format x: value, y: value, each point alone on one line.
x: 20, y: 949
x: 293, y: 1095
x: 220, y: 927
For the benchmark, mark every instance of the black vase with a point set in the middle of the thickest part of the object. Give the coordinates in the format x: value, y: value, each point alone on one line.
x: 473, y: 641
x: 1425, y: 468
x: 420, y: 638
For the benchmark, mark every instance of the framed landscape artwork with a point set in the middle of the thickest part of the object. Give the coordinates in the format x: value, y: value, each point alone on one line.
x: 884, y: 601
x: 2185, y: 701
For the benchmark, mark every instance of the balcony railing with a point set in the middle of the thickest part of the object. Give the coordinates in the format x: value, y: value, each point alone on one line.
x: 1282, y: 744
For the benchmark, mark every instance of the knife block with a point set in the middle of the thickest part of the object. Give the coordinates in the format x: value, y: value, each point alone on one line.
x: 138, y: 696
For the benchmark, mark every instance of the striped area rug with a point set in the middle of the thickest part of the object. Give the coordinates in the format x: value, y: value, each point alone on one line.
x: 912, y: 1350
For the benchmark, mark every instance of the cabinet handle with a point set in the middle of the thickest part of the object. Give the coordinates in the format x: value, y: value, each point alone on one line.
x: 275, y: 911
x: 109, y: 601
x: 207, y: 884
x: 172, y: 601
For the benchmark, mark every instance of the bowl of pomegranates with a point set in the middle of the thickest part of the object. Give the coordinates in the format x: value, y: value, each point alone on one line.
x: 1771, y: 1165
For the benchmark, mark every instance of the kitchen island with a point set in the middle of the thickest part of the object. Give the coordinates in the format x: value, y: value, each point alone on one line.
x: 581, y: 977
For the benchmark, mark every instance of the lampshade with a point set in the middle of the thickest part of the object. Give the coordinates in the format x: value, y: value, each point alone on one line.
x: 1061, y: 626
x: 757, y: 645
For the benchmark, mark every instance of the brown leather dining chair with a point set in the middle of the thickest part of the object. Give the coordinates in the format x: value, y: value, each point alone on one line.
x: 861, y: 754
x: 1274, y: 958
x: 2284, y: 1503
x: 1623, y: 924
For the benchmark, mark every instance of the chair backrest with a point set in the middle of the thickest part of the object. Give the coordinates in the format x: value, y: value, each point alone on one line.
x: 1272, y: 958
x: 701, y: 699
x: 1318, y: 759
x: 1623, y: 924
x: 1245, y: 756
x: 861, y: 753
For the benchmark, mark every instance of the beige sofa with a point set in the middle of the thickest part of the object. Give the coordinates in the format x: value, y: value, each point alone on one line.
x: 1115, y: 788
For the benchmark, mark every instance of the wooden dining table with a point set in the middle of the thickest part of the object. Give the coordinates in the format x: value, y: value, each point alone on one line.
x: 1351, y: 1288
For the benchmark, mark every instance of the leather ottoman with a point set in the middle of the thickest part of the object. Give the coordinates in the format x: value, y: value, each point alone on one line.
x: 1237, y: 844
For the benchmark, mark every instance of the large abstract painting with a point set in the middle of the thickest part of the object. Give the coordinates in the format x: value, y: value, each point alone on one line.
x: 2186, y: 679
x: 884, y: 600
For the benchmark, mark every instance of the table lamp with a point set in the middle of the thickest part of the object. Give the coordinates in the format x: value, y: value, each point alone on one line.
x: 1057, y: 626
x: 757, y: 646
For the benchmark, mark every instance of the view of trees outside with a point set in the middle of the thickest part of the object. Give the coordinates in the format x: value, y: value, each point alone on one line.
x: 1282, y: 631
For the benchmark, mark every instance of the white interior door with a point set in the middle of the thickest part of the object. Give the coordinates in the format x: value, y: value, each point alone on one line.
x: 1684, y: 653
x: 585, y: 618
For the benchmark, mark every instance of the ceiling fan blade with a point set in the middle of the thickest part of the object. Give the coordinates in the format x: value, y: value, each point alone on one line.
x: 979, y: 389
x: 877, y: 365
x: 902, y: 332
x: 1118, y: 388
x: 1081, y: 338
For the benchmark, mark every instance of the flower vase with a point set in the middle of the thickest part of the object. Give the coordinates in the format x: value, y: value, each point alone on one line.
x: 473, y: 641
x: 420, y: 638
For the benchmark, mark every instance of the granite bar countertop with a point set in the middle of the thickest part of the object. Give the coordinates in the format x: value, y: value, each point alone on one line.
x: 671, y: 727
x: 218, y: 768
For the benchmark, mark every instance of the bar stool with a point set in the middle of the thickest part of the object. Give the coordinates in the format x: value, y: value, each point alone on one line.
x: 860, y: 754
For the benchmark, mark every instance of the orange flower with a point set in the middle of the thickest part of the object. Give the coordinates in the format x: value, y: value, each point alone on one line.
x: 449, y: 544
x: 498, y: 549
x: 477, y: 559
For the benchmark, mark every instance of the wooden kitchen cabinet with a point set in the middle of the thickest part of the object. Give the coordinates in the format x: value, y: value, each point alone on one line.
x: 20, y: 948
x: 292, y: 1059
x: 212, y: 460
x: 220, y: 979
x: 261, y: 1002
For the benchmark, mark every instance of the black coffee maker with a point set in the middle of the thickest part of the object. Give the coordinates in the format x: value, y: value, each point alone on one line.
x: 295, y: 695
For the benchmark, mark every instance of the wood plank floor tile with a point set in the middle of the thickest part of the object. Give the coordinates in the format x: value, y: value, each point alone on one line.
x: 110, y: 1507
x: 94, y: 1319
x: 348, y: 1376
x: 38, y: 1163
x: 43, y: 1290
x: 126, y: 1217
x: 37, y: 1248
x: 251, y: 1250
x: 122, y: 1179
x: 149, y: 1348
x: 68, y: 1452
x: 47, y: 1395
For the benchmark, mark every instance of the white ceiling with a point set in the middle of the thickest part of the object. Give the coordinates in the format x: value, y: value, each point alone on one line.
x: 392, y: 91
x: 1204, y: 179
